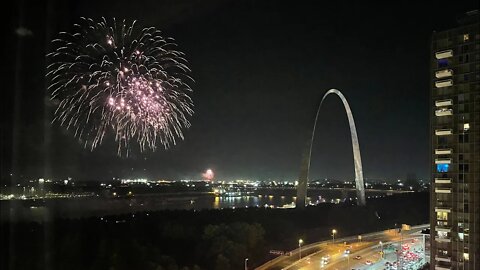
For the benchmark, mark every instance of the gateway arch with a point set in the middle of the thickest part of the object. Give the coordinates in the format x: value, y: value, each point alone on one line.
x: 357, y: 160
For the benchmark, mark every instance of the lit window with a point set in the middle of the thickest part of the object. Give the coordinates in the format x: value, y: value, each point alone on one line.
x: 466, y: 126
x: 460, y: 236
x: 442, y: 223
x: 443, y: 234
x: 466, y: 37
x: 442, y: 167
x: 465, y: 256
x: 442, y: 215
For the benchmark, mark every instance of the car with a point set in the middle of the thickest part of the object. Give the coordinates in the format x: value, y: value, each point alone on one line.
x: 325, y: 260
x: 347, y: 251
x: 368, y: 262
x: 358, y: 257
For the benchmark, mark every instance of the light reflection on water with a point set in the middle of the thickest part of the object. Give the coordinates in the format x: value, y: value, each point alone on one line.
x: 277, y: 199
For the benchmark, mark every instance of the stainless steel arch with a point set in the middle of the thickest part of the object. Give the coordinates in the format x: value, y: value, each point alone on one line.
x: 305, y: 166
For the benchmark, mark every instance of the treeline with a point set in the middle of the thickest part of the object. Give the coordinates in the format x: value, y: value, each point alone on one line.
x: 210, y: 239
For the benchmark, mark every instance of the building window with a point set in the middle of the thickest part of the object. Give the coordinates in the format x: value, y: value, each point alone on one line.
x: 463, y: 138
x: 466, y: 37
x: 465, y: 256
x: 442, y: 223
x: 442, y: 216
x: 463, y: 167
x: 443, y: 235
x: 442, y: 140
x: 462, y: 97
x: 442, y: 63
x: 443, y: 167
x: 466, y: 126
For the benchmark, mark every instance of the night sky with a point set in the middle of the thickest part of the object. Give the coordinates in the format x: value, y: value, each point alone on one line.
x: 260, y: 68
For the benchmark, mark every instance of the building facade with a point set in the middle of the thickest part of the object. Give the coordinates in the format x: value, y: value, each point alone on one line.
x: 455, y: 146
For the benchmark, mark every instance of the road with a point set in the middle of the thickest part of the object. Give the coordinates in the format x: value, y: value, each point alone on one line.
x: 368, y: 248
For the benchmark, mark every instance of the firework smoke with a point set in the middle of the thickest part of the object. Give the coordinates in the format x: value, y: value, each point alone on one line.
x: 110, y: 78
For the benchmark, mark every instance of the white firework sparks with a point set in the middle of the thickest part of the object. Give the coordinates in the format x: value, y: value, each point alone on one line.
x: 111, y: 78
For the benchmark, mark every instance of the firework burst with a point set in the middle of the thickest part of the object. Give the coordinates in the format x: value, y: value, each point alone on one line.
x: 108, y: 77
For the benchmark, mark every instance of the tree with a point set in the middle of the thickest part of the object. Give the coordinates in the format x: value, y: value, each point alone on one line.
x: 222, y: 263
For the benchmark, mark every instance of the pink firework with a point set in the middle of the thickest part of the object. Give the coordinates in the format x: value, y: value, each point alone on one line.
x: 109, y: 78
x: 208, y: 175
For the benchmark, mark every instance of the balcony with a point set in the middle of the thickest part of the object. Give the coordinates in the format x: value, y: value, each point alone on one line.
x: 443, y: 83
x: 444, y: 208
x: 444, y: 54
x: 442, y: 240
x: 443, y: 151
x: 444, y: 112
x: 444, y: 73
x: 443, y: 190
x: 443, y: 258
x: 443, y: 102
x: 443, y: 180
x: 443, y: 229
x: 438, y: 267
x: 443, y: 132
x: 443, y: 161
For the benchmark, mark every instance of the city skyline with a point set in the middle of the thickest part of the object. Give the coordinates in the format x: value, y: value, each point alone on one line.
x: 250, y: 122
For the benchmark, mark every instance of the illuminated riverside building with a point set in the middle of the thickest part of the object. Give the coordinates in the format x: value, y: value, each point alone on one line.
x: 455, y: 146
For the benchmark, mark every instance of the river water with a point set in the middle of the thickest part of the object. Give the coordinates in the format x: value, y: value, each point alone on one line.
x: 37, y: 210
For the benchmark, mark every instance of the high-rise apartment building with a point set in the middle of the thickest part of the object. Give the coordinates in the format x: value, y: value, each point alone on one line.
x: 455, y: 146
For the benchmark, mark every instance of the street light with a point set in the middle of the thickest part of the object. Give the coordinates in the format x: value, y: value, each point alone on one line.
x: 333, y: 235
x: 246, y: 266
x: 381, y: 245
x: 300, y: 242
